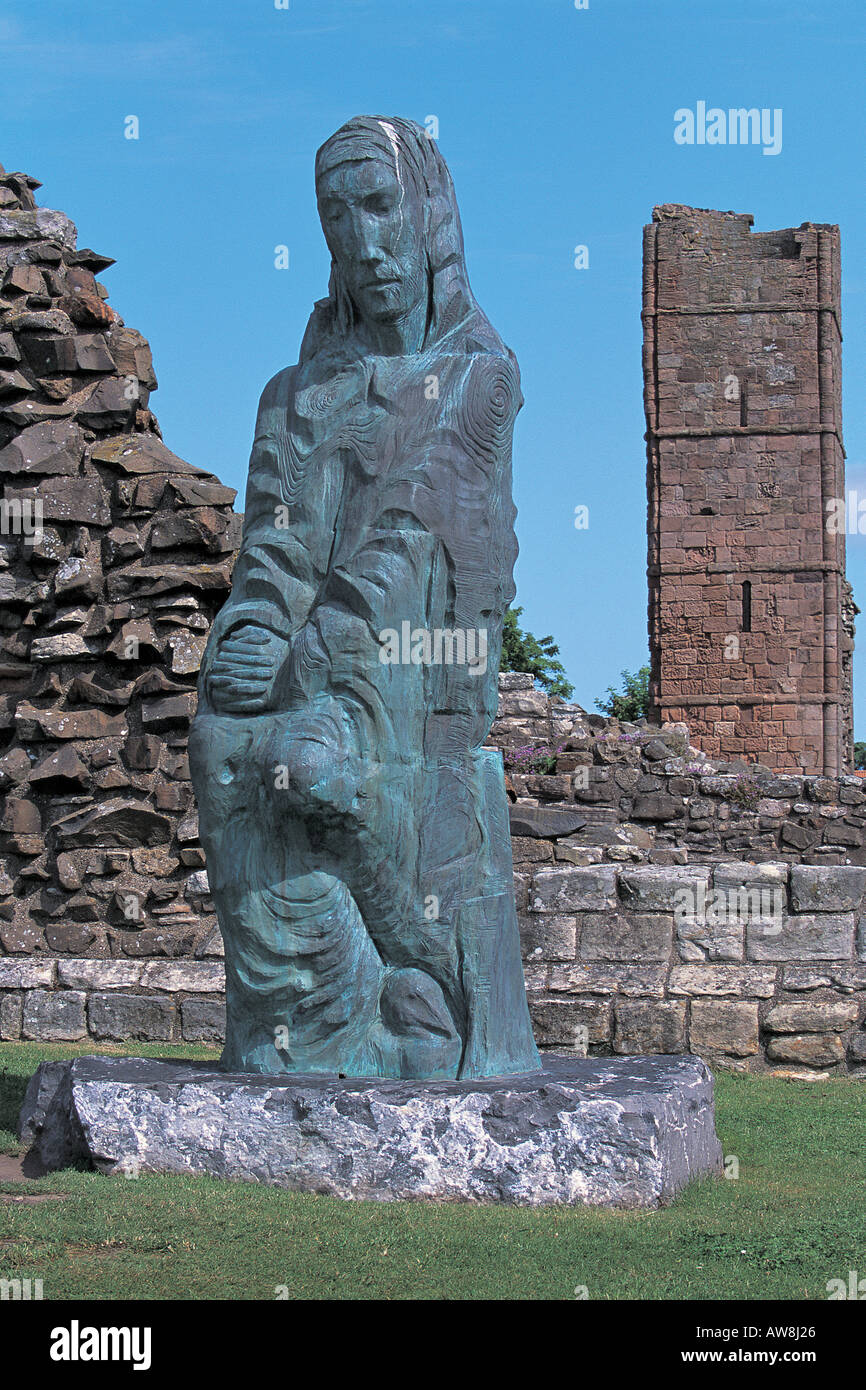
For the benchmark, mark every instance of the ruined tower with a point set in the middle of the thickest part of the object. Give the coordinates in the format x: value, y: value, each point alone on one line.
x: 750, y: 614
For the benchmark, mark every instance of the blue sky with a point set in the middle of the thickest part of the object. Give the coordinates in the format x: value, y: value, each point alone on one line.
x: 557, y: 124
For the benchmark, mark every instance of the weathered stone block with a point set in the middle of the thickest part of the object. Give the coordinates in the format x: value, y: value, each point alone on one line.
x: 203, y: 1020
x: 628, y: 980
x: 38, y: 1098
x: 27, y: 225
x: 118, y: 822
x: 647, y: 889
x: 54, y: 1017
x: 548, y: 936
x: 721, y: 1027
x: 11, y: 1013
x: 593, y: 1131
x: 798, y: 836
x: 570, y: 1023
x: 809, y: 1049
x: 748, y: 875
x: 21, y: 817
x: 782, y: 786
x: 658, y: 806
x: 522, y: 702
x: 165, y: 714
x: 830, y: 1016
x: 193, y: 977
x: 72, y: 500
x: 649, y: 1027
x: 26, y: 974
x: 701, y: 940
x: 803, y: 937
x: 845, y: 978
x: 834, y: 888
x: 121, y: 1016
x: 752, y: 981
x: 143, y: 751
x: 35, y: 723
x: 628, y: 937
x: 573, y: 889
x: 98, y: 974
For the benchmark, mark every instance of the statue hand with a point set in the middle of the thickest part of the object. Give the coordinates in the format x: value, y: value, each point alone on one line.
x: 242, y: 675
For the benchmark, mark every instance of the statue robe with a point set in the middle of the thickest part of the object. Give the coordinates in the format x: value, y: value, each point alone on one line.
x: 367, y: 906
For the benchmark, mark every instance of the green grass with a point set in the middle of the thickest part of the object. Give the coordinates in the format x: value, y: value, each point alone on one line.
x: 790, y: 1222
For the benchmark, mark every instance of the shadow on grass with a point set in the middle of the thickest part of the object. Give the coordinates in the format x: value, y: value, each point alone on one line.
x: 12, y: 1089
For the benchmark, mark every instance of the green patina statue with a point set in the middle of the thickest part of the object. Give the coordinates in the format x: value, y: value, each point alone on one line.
x: 356, y: 830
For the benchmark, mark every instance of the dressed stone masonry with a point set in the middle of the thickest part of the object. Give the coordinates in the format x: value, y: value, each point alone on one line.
x: 115, y: 556
x: 662, y: 898
x: 751, y: 618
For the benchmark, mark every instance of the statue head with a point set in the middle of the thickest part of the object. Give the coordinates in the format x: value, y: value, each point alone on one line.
x: 390, y: 218
x: 372, y: 215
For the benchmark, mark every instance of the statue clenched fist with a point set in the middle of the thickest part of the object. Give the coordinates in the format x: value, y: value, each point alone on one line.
x: 246, y: 667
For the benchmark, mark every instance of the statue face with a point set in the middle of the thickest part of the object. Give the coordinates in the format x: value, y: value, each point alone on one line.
x: 373, y: 228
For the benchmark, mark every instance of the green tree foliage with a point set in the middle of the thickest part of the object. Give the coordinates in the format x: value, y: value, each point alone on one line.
x: 536, y: 656
x: 860, y: 757
x: 632, y: 702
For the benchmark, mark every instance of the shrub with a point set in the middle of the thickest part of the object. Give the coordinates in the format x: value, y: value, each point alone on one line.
x: 632, y: 702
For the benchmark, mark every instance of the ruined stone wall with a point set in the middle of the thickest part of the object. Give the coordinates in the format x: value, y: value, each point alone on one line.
x: 600, y: 790
x: 666, y: 903
x: 672, y: 903
x: 750, y: 617
x: 115, y: 557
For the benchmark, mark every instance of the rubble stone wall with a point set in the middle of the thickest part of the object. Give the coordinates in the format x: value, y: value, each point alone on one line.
x: 115, y: 556
x: 643, y: 794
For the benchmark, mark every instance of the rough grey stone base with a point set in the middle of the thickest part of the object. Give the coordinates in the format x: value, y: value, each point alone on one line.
x: 626, y: 1131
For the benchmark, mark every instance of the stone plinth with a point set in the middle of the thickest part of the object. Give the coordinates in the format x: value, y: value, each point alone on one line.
x: 626, y: 1132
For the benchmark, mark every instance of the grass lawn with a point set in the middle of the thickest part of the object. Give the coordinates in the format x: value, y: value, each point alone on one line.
x: 791, y: 1221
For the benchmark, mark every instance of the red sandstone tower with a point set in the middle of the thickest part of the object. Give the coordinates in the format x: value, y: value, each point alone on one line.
x: 751, y: 619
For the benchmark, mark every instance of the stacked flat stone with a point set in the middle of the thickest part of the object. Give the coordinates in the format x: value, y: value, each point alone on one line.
x: 640, y: 793
x: 116, y: 556
x: 608, y: 966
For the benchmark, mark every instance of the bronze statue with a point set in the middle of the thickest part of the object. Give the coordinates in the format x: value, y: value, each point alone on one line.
x: 356, y: 830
